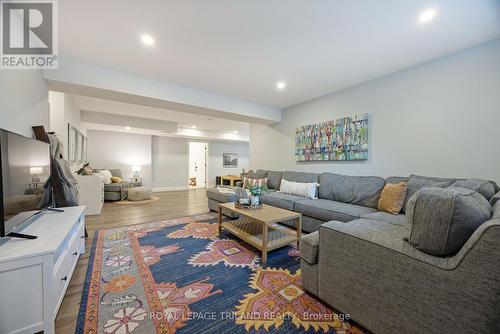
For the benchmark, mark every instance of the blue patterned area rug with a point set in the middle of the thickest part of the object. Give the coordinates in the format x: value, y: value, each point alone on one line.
x: 180, y: 276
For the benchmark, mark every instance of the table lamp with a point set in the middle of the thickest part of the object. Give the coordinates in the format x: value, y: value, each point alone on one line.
x: 136, y: 170
x: 34, y: 171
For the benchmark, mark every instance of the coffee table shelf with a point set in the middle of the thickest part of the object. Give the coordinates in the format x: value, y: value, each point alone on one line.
x: 260, y: 227
x: 253, y: 234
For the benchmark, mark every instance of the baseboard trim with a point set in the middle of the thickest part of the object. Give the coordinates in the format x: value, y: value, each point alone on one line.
x: 157, y: 190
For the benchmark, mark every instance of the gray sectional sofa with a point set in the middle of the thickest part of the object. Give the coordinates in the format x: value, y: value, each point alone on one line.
x: 356, y: 258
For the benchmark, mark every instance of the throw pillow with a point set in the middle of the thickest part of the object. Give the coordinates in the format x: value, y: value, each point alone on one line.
x: 484, y: 187
x: 106, y: 176
x: 248, y: 182
x: 116, y: 179
x: 440, y: 221
x: 416, y: 182
x: 300, y: 189
x: 392, y: 198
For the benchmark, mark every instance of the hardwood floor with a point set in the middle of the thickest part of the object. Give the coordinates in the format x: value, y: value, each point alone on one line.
x: 171, y: 204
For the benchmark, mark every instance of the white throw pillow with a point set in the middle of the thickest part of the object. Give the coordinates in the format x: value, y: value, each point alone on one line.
x: 106, y: 176
x: 298, y: 188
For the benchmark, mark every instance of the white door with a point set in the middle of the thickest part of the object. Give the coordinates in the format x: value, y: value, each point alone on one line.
x: 198, y: 164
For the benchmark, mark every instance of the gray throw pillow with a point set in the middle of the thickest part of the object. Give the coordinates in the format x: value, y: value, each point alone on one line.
x: 417, y: 182
x: 484, y: 187
x: 439, y: 221
x: 274, y: 179
x: 259, y: 174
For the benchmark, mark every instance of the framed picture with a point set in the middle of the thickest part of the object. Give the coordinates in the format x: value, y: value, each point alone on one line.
x: 343, y: 139
x: 79, y: 144
x: 72, y: 137
x: 84, y: 149
x: 230, y: 160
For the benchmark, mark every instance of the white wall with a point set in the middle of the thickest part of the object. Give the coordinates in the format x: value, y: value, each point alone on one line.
x: 23, y: 101
x: 171, y: 159
x: 64, y: 111
x: 111, y: 150
x: 215, y: 151
x: 170, y: 162
x: 441, y: 118
x: 164, y: 160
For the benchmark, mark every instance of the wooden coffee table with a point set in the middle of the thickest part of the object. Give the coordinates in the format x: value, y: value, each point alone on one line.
x: 260, y: 228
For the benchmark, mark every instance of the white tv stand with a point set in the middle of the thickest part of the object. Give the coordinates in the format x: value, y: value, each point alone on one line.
x: 34, y: 274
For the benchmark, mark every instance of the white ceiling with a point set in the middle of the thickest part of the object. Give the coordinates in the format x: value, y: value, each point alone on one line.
x: 242, y: 48
x: 206, y: 127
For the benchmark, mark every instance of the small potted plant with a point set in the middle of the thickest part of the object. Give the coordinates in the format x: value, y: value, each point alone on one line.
x: 255, y: 192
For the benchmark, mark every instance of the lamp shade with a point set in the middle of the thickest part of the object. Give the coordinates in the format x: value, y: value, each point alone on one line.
x: 136, y: 169
x: 36, y: 170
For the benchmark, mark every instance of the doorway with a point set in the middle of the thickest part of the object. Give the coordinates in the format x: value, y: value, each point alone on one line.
x: 197, y: 177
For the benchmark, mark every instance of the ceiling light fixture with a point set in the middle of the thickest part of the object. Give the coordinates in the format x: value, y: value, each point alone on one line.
x: 147, y: 40
x: 281, y: 85
x: 128, y: 128
x: 235, y: 131
x: 427, y: 15
x: 193, y: 127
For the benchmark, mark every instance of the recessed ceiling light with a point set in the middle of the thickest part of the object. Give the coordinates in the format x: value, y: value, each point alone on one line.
x: 235, y: 131
x: 193, y: 127
x: 427, y: 16
x: 128, y: 128
x: 147, y: 40
x: 280, y: 85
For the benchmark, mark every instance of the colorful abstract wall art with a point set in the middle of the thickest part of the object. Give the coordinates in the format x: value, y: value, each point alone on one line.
x: 342, y: 139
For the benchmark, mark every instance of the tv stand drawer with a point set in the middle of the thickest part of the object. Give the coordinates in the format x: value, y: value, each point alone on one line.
x: 63, y: 270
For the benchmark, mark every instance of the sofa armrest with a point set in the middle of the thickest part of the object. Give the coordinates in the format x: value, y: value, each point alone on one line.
x: 309, y: 247
x: 359, y: 270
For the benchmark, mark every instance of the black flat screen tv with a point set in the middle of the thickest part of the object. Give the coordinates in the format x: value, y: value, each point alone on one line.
x: 24, y: 166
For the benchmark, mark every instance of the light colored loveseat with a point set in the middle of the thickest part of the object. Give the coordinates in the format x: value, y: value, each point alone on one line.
x: 118, y: 191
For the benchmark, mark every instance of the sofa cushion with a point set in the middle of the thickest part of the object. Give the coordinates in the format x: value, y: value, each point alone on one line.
x: 360, y: 190
x: 399, y: 220
x: 396, y: 179
x: 280, y: 200
x: 259, y: 174
x: 331, y: 210
x: 113, y: 187
x: 377, y: 232
x: 441, y: 220
x: 274, y: 179
x: 484, y: 187
x: 417, y: 182
x: 309, y: 246
x: 214, y: 194
x: 300, y: 177
x: 116, y: 172
x: 309, y: 224
x: 381, y: 234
